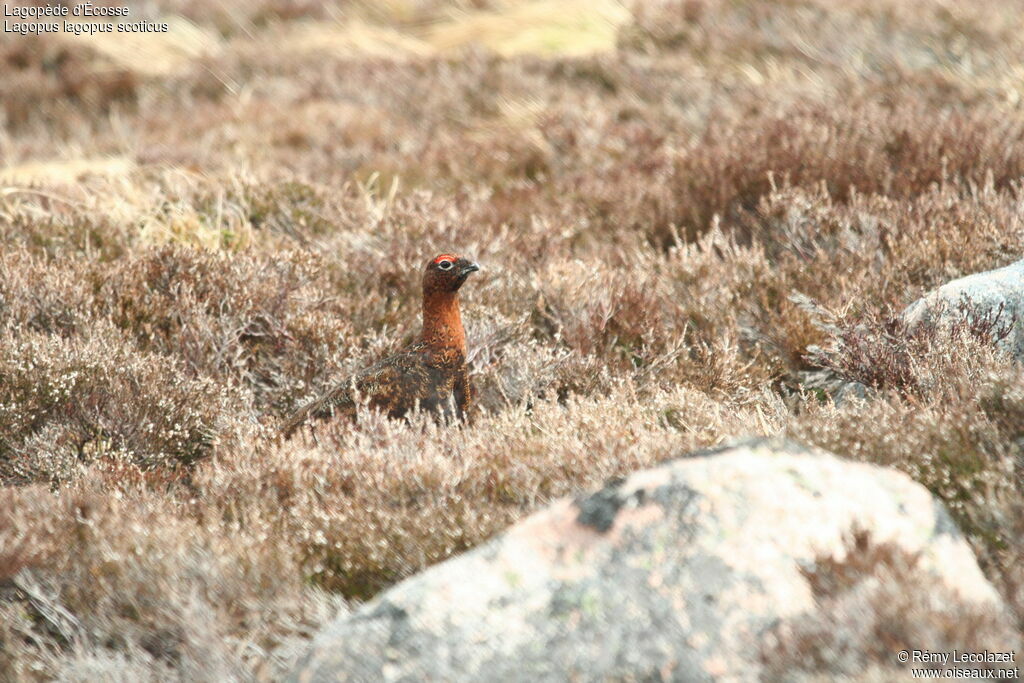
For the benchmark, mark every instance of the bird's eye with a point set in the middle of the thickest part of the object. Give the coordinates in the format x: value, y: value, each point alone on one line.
x: 445, y: 265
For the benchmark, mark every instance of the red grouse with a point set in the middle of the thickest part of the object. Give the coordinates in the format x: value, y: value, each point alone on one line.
x: 431, y: 373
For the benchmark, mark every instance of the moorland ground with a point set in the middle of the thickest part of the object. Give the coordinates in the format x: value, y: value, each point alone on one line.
x: 696, y: 219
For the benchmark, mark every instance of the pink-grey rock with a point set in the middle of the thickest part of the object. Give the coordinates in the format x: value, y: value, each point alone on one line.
x: 992, y: 293
x: 676, y: 573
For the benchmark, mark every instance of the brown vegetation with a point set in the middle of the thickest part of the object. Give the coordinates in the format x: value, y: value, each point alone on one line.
x: 187, y: 255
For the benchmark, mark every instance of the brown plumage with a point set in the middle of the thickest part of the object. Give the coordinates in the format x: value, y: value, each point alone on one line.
x: 431, y: 373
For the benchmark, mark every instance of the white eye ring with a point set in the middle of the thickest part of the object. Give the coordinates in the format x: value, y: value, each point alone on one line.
x: 445, y: 265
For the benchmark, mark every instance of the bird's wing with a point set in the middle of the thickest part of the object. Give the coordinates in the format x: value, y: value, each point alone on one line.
x: 378, y: 382
x: 336, y: 400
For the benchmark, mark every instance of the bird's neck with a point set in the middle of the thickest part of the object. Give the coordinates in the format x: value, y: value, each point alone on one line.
x: 442, y: 325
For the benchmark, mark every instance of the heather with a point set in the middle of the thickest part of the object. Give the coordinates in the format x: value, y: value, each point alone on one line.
x: 698, y: 220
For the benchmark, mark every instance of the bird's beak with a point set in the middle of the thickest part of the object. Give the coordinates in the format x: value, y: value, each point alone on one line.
x: 469, y: 268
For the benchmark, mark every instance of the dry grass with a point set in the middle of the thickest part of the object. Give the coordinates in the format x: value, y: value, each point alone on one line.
x: 693, y: 232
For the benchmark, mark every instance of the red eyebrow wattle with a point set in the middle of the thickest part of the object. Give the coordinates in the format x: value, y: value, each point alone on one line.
x: 446, y: 257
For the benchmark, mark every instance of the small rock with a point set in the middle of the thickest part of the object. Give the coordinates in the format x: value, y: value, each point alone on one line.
x: 994, y: 292
x: 833, y: 385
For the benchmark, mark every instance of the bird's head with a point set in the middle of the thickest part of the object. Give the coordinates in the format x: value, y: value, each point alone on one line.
x: 447, y: 272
